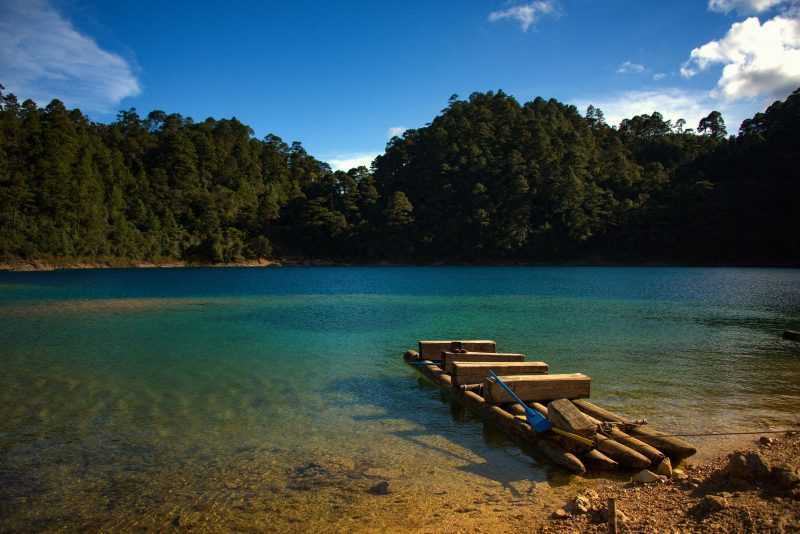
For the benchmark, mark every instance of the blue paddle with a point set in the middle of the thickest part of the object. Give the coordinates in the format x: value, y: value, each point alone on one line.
x: 537, y: 421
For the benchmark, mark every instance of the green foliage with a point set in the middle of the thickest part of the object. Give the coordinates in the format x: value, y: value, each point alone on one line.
x: 488, y: 178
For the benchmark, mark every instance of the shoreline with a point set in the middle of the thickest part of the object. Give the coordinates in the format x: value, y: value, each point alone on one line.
x: 60, y: 264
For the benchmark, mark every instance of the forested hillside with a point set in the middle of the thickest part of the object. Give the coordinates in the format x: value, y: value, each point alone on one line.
x: 488, y: 179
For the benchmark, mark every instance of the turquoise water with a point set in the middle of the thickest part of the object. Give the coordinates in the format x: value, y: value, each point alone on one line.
x: 130, y: 398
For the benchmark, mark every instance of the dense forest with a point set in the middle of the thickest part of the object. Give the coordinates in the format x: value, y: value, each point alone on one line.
x: 489, y: 179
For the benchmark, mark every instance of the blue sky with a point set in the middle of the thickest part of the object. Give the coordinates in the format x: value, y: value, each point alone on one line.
x: 343, y: 76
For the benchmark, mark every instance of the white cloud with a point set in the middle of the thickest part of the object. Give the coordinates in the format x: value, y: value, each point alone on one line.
x: 525, y: 14
x: 630, y: 68
x: 42, y: 56
x: 743, y: 6
x: 659, y: 76
x: 395, y: 131
x: 673, y: 104
x: 760, y: 60
x: 345, y: 162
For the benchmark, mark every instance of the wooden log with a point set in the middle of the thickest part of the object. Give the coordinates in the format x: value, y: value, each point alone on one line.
x: 449, y: 358
x: 622, y: 454
x: 539, y: 387
x: 435, y: 374
x: 411, y: 355
x: 597, y: 412
x: 638, y: 445
x: 559, y: 456
x: 598, y: 460
x: 539, y: 406
x: 475, y: 372
x: 673, y: 447
x: 609, y: 448
x: 792, y: 335
x: 432, y: 350
x: 566, y: 416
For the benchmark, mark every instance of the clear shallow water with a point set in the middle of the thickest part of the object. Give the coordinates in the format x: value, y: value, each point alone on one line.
x: 131, y: 398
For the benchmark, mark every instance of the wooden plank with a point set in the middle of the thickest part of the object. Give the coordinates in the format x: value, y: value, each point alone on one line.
x: 566, y: 416
x: 475, y: 372
x: 539, y: 387
x: 448, y: 357
x: 432, y: 350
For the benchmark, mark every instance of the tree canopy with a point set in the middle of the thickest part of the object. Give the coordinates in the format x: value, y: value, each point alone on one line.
x: 488, y: 179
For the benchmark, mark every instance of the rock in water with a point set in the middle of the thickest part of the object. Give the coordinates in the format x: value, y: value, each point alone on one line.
x: 664, y: 468
x: 381, y: 488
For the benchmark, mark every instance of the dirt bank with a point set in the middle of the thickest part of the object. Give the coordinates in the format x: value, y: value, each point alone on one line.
x: 753, y: 490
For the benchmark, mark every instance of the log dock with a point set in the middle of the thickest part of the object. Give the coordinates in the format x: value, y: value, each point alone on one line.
x: 584, y: 436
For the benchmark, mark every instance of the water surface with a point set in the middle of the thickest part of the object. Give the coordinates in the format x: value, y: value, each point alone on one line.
x: 274, y: 398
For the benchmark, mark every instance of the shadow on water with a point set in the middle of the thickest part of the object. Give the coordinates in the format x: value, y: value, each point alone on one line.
x: 489, y: 453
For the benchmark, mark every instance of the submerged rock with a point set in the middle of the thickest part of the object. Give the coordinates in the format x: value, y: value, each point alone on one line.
x: 381, y: 488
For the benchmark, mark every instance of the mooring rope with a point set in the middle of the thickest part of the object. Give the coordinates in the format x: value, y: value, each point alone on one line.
x: 660, y: 435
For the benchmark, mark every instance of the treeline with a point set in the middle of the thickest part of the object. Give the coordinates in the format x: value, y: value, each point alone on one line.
x: 488, y: 179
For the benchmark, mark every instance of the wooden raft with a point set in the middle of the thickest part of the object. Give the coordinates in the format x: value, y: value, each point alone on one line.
x: 579, y: 438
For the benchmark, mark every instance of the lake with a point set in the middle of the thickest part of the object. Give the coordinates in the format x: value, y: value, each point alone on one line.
x: 272, y: 399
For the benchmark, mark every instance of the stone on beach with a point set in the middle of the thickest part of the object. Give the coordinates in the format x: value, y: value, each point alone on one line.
x: 646, y: 476
x: 709, y: 505
x: 664, y: 468
x: 749, y: 467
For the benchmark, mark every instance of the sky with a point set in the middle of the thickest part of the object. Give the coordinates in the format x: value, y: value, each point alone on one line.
x: 344, y: 76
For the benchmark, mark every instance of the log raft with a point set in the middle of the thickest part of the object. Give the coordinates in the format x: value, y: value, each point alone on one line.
x: 617, y: 442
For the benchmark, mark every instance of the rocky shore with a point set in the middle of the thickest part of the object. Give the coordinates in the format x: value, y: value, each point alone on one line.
x: 755, y: 490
